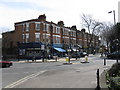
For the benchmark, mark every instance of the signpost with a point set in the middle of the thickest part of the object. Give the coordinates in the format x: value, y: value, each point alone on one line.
x: 43, y: 49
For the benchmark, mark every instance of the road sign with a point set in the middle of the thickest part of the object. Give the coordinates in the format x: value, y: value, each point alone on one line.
x: 42, y: 47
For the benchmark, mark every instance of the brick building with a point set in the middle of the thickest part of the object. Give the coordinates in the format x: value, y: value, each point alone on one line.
x: 37, y: 37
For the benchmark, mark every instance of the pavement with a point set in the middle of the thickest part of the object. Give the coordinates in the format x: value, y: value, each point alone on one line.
x: 52, y: 60
x: 83, y: 77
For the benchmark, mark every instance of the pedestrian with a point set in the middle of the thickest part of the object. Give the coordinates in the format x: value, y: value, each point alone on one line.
x: 33, y: 58
x: 49, y: 56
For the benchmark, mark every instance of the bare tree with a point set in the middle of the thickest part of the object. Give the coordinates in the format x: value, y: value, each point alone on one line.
x: 92, y: 26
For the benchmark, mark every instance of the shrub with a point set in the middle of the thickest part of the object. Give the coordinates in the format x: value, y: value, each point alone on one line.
x: 114, y: 70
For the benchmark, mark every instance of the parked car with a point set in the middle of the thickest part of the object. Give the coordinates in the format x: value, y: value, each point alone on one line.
x: 114, y: 55
x: 83, y: 54
x: 5, y: 64
x: 76, y: 55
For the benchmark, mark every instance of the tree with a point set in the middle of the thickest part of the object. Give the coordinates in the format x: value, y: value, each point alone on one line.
x: 110, y: 34
x: 114, y: 38
x: 92, y: 26
x: 105, y: 33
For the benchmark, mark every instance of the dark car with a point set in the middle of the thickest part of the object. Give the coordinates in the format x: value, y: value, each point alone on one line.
x: 5, y: 64
x: 114, y: 55
x: 83, y: 54
x: 76, y: 55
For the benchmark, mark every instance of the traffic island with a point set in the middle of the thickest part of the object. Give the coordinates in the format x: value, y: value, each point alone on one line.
x: 86, y: 60
x: 67, y: 61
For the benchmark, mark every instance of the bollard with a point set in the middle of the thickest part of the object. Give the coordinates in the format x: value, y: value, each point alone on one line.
x: 67, y: 59
x: 43, y: 59
x: 86, y: 59
x: 56, y: 58
x: 98, y: 82
x: 117, y: 60
x: 104, y: 61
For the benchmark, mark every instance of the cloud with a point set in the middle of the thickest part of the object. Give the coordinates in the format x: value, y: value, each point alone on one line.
x: 67, y: 10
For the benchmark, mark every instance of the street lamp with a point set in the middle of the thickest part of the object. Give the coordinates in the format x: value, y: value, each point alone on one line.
x: 113, y: 15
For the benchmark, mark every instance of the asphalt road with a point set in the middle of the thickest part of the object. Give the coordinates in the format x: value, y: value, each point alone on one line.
x: 21, y: 71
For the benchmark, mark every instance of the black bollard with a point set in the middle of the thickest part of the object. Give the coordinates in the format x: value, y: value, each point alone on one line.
x: 98, y: 82
x: 117, y: 60
x: 104, y: 61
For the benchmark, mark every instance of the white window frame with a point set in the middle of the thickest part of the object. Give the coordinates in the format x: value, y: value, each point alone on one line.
x: 47, y: 28
x: 37, y: 23
x: 27, y: 37
x: 37, y: 36
x: 58, y: 30
x: 54, y: 28
x: 23, y: 37
x: 44, y: 27
x: 27, y: 27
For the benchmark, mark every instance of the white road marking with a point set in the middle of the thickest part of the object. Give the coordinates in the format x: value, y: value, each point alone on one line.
x: 24, y: 79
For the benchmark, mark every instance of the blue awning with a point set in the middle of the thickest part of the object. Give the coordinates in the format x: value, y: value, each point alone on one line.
x: 60, y: 49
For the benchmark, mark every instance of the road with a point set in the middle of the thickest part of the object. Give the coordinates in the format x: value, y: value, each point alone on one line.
x: 54, y: 74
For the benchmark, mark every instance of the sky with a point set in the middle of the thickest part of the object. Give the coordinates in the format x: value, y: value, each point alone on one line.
x: 69, y: 11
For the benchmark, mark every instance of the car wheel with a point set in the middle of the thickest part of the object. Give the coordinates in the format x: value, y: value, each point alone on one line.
x: 7, y: 65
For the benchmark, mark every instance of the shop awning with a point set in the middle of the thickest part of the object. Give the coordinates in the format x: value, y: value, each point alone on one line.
x: 60, y: 49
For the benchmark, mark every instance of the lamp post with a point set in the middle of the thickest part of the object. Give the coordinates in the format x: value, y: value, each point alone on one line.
x: 113, y: 15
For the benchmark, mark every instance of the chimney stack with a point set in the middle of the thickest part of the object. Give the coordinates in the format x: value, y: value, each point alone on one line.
x: 61, y: 23
x: 74, y: 27
x: 42, y: 17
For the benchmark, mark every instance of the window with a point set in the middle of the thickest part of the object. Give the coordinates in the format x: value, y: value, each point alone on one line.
x: 63, y: 31
x: 27, y: 38
x: 37, y: 37
x: 58, y: 30
x: 66, y: 32
x: 54, y: 28
x: 23, y: 27
x: 54, y: 39
x: 37, y: 26
x: 46, y: 37
x: 47, y: 27
x: 58, y: 39
x: 44, y: 27
x: 23, y: 37
x: 27, y: 27
x: 74, y: 34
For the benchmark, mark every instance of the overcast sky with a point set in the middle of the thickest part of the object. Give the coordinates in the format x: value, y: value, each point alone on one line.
x: 69, y: 11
